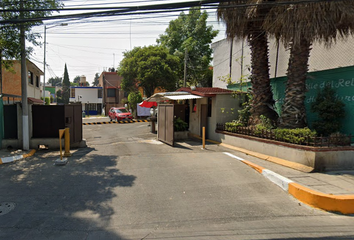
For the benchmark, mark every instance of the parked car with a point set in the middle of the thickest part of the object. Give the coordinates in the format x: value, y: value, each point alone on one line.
x: 119, y: 113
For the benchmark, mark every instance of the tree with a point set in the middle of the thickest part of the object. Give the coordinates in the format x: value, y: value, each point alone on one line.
x: 77, y: 80
x: 134, y: 98
x: 150, y: 67
x: 57, y: 81
x: 298, y: 26
x: 330, y: 111
x: 189, y: 38
x: 10, y: 34
x: 96, y: 79
x: 66, y: 86
x: 246, y: 23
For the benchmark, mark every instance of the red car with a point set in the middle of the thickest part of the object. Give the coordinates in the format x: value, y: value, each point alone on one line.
x: 119, y: 113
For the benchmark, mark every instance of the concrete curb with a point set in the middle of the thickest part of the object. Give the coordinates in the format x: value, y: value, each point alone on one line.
x: 333, y: 203
x: 115, y: 122
x: 17, y: 157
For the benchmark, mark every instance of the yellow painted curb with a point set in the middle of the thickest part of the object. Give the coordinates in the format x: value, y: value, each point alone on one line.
x: 333, y: 203
x: 30, y: 154
x: 254, y: 166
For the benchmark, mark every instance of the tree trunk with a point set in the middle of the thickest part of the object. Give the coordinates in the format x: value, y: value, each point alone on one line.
x: 293, y: 110
x: 263, y: 102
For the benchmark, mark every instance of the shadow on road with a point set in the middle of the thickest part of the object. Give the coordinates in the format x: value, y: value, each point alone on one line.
x: 57, y: 201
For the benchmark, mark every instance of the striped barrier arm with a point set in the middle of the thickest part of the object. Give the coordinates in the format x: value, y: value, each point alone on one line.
x: 17, y: 157
x: 114, y: 122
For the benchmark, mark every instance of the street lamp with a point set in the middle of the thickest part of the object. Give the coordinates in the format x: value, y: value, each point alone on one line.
x: 44, y: 63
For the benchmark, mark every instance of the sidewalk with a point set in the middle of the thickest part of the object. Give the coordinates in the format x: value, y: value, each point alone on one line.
x: 331, y: 191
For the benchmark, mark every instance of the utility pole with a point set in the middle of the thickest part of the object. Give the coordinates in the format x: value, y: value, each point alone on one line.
x: 25, y: 128
x: 185, y: 67
x: 44, y: 63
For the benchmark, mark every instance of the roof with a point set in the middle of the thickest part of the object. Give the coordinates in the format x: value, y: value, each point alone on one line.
x: 206, y: 91
x: 35, y: 101
x: 171, y: 96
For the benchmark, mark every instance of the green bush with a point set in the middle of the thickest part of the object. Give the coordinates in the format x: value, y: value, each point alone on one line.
x: 47, y: 101
x: 330, y: 111
x: 232, y: 126
x: 297, y: 135
x: 180, y: 125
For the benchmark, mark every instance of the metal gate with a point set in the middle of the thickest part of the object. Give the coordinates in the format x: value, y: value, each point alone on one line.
x: 165, y: 132
x: 47, y: 120
x: 10, y: 121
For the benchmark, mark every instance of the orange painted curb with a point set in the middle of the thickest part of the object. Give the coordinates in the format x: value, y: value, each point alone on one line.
x: 333, y: 203
x: 256, y: 167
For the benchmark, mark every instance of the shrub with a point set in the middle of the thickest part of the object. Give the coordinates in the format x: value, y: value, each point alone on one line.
x: 180, y: 125
x: 330, y: 111
x: 297, y: 135
x: 232, y: 126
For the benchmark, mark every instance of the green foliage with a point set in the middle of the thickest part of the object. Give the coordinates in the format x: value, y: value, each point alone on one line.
x: 233, y: 126
x: 96, y: 79
x: 190, y: 32
x: 59, y: 95
x: 77, y: 80
x: 57, y: 81
x: 134, y: 98
x: 10, y: 34
x: 296, y: 136
x: 245, y: 113
x: 330, y: 111
x: 66, y: 86
x: 47, y: 101
x: 180, y: 125
x: 149, y: 67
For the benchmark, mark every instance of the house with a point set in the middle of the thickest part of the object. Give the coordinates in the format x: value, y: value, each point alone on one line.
x: 332, y: 66
x: 89, y: 97
x: 112, y: 94
x: 11, y: 83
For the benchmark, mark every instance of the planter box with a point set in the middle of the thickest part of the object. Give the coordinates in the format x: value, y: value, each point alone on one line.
x: 318, y: 158
x: 181, y: 135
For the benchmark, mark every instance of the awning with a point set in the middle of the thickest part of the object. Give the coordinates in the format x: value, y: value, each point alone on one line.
x: 183, y: 97
x: 158, y: 97
x: 35, y: 101
x: 146, y: 104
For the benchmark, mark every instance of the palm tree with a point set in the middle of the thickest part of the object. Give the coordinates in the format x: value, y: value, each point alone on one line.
x: 298, y: 26
x: 246, y: 23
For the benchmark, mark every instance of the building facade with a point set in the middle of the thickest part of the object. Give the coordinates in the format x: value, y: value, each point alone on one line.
x: 89, y: 97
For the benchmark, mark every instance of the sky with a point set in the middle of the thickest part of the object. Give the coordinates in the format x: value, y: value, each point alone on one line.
x: 92, y: 45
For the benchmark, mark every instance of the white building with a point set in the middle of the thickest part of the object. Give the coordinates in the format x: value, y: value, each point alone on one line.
x: 233, y: 58
x: 89, y: 97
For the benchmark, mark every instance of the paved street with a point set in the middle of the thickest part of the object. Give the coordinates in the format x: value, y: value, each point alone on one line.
x: 127, y: 185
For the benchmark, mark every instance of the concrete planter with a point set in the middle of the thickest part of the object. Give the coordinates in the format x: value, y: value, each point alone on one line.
x: 317, y: 158
x: 181, y: 135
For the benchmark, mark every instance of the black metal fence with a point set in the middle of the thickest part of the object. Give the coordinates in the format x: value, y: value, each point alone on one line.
x: 331, y: 141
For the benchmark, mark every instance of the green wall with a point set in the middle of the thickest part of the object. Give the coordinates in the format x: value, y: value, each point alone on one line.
x: 340, y: 79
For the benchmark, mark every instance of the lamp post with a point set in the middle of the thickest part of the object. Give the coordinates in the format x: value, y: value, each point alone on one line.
x: 44, y: 62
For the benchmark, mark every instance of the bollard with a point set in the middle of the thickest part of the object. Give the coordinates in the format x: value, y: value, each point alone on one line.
x: 67, y: 143
x: 203, y: 137
x: 61, y: 133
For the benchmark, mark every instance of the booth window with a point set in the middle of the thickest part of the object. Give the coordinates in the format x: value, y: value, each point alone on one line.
x: 194, y: 105
x: 37, y: 81
x: 209, y: 106
x: 30, y: 77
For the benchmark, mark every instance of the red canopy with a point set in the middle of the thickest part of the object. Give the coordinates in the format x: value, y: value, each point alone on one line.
x: 148, y: 104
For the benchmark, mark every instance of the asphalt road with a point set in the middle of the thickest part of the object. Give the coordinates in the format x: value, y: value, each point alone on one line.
x: 128, y: 185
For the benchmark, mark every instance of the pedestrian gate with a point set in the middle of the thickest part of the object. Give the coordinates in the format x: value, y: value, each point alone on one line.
x: 165, y: 130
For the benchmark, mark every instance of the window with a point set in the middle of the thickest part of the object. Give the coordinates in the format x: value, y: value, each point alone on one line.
x: 37, y: 81
x: 72, y: 92
x: 194, y: 105
x: 99, y: 93
x: 111, y: 92
x: 209, y: 106
x: 30, y: 77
